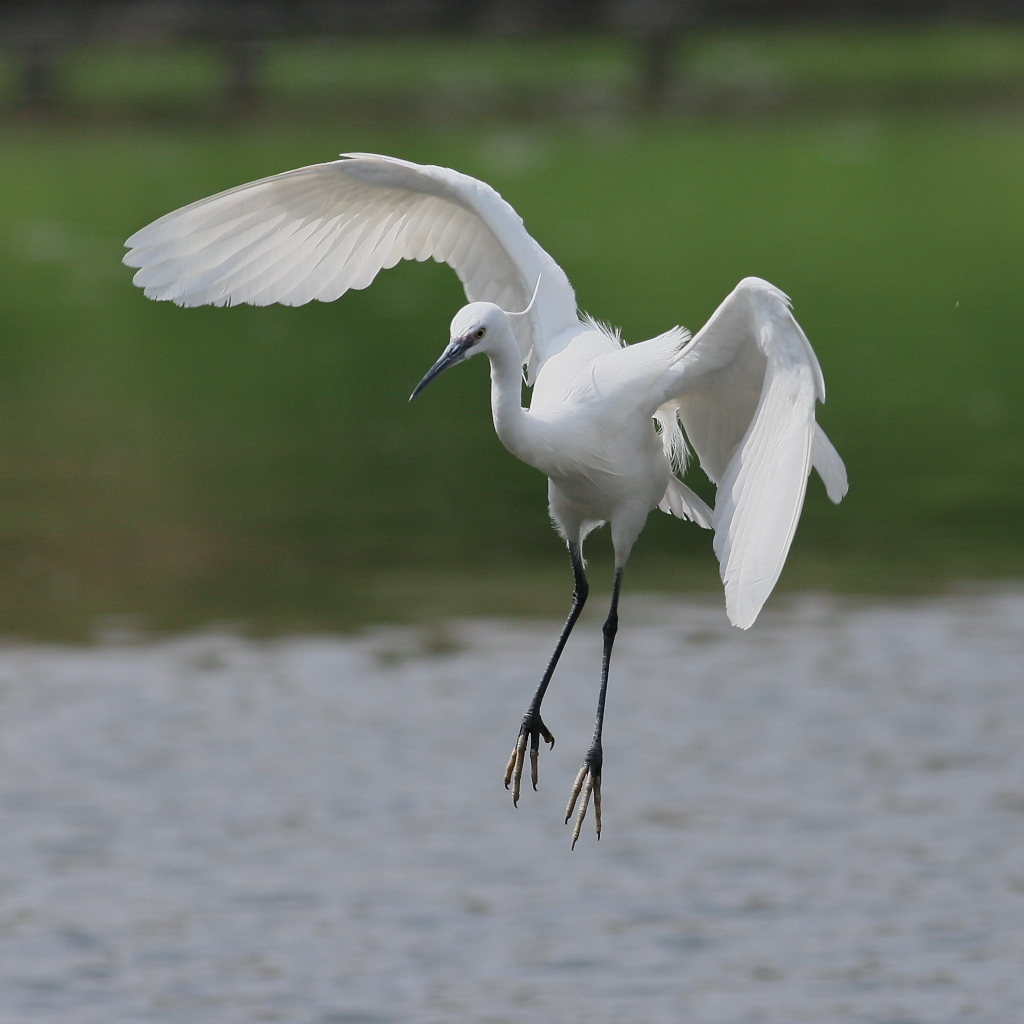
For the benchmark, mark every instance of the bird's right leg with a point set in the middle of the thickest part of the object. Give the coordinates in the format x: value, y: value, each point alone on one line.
x: 533, y: 727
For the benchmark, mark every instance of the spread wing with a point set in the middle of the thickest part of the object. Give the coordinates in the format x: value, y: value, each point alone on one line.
x: 746, y: 387
x: 315, y: 232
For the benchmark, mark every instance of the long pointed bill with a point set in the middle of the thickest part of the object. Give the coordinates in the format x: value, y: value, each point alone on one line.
x: 454, y: 353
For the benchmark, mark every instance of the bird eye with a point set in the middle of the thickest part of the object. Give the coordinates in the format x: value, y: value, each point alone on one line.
x: 480, y: 333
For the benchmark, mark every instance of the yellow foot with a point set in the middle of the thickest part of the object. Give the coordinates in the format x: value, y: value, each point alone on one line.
x: 532, y: 729
x: 588, y: 782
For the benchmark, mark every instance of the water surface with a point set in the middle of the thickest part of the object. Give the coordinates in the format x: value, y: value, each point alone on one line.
x: 819, y: 820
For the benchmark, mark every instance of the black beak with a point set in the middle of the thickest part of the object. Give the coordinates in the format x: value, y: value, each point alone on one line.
x: 454, y: 353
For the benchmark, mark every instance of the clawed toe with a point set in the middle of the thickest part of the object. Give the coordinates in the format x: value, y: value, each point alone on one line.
x: 588, y: 782
x: 532, y: 729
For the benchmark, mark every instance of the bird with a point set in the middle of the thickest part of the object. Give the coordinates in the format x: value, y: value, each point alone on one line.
x: 613, y: 426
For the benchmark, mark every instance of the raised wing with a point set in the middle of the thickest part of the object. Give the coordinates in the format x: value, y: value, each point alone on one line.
x: 315, y: 232
x: 746, y: 387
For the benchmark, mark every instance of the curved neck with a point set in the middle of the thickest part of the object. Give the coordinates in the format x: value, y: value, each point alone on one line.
x: 511, y: 420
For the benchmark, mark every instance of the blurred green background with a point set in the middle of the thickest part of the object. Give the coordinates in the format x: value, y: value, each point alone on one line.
x: 263, y: 465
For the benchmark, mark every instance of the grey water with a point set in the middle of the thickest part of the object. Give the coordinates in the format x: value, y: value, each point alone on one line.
x: 819, y: 820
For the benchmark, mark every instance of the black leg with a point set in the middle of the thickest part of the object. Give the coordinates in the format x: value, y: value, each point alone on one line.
x: 533, y: 727
x: 588, y: 781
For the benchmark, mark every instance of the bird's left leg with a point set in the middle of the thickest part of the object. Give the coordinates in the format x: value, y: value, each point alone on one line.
x: 588, y: 781
x: 533, y: 727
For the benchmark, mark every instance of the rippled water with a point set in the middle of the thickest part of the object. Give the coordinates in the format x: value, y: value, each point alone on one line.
x: 820, y: 820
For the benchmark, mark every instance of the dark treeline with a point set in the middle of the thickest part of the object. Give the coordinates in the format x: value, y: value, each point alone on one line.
x: 50, y: 19
x: 37, y: 36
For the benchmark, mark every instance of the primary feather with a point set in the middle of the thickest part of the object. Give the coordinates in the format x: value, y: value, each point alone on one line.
x: 316, y: 232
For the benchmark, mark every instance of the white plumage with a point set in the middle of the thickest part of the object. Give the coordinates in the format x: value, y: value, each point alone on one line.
x: 610, y: 425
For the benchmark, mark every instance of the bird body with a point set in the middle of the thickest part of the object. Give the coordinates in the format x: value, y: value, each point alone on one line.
x: 603, y: 457
x: 612, y: 426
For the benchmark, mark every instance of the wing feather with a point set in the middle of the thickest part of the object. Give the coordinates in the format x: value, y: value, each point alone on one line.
x: 684, y: 503
x: 746, y: 388
x: 209, y: 249
x: 829, y: 465
x: 265, y: 264
x: 315, y: 232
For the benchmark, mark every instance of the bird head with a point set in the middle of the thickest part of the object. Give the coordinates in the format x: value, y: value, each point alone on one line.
x: 474, y: 329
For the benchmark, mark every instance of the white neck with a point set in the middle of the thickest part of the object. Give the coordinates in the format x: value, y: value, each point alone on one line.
x: 511, y: 421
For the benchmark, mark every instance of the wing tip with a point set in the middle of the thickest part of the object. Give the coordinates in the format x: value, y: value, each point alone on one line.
x: 837, y: 493
x: 742, y: 618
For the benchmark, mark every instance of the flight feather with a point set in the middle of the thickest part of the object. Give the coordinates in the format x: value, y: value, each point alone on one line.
x: 316, y: 232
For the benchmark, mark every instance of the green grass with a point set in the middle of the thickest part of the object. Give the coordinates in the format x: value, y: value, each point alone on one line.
x: 860, y: 55
x: 263, y: 464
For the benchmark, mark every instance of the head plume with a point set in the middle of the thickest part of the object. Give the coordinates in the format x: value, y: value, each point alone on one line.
x: 529, y: 306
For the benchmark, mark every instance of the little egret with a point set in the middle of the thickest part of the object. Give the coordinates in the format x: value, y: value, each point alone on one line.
x: 610, y: 425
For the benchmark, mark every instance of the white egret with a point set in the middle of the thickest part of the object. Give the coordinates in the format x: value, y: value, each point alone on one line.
x: 610, y: 425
